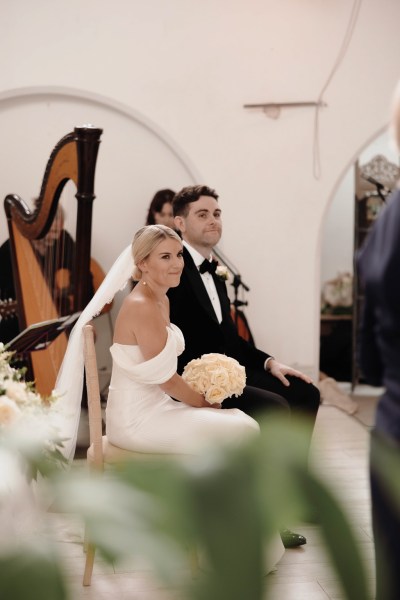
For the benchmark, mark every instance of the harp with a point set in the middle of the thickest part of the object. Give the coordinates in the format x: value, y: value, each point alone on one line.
x: 73, y: 158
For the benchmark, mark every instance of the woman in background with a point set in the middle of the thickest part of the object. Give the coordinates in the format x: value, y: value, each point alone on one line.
x: 160, y: 209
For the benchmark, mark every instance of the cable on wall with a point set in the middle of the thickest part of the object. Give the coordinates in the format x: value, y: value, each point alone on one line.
x: 342, y: 52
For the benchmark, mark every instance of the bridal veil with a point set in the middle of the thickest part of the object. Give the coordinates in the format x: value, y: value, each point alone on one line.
x: 69, y: 383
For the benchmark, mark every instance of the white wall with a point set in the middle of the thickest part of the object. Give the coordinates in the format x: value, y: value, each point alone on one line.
x: 186, y: 68
x: 338, y: 231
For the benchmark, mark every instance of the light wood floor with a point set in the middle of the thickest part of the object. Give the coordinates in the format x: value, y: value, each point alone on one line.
x: 340, y: 451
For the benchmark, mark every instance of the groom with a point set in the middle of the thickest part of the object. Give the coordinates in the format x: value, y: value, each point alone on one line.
x: 200, y: 307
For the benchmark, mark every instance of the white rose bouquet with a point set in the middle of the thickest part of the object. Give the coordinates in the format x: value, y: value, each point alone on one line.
x: 216, y: 376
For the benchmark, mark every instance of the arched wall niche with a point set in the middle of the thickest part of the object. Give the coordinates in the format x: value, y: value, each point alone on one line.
x: 337, y: 227
x: 337, y: 224
x: 136, y: 157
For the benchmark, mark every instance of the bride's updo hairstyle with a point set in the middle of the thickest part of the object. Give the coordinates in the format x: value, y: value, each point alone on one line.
x: 146, y: 239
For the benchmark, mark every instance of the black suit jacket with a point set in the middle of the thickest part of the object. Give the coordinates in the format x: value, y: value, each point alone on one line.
x: 379, y: 338
x: 191, y: 310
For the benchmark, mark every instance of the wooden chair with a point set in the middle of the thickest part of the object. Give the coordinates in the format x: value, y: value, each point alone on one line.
x: 101, y: 453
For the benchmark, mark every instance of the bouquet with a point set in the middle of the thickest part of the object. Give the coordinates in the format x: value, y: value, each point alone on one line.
x: 26, y: 418
x: 216, y: 376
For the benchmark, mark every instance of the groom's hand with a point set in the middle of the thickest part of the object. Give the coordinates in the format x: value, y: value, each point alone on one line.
x: 279, y: 371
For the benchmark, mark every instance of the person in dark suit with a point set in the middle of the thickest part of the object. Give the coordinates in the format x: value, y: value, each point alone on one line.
x: 200, y: 307
x: 54, y: 253
x: 378, y: 264
x: 9, y: 327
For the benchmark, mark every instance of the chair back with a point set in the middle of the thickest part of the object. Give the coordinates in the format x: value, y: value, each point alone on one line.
x: 100, y: 451
x: 93, y: 397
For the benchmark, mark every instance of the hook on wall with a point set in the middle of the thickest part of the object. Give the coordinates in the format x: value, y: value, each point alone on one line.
x: 273, y: 109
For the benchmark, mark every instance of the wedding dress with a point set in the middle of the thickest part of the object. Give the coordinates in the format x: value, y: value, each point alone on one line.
x: 141, y: 417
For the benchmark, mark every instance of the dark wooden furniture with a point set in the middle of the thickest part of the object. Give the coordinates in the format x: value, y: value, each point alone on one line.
x: 336, y: 346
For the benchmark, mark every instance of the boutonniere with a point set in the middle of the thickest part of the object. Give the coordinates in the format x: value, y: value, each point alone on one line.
x: 222, y: 272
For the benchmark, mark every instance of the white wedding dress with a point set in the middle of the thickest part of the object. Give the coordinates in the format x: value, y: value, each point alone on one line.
x: 141, y: 417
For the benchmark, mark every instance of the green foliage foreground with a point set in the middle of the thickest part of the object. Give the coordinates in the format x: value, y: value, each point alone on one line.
x: 228, y: 504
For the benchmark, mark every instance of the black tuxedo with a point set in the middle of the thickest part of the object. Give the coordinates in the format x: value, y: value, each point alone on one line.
x: 191, y: 310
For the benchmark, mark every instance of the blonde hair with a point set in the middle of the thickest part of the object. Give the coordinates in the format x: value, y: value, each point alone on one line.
x: 395, y: 123
x: 145, y: 240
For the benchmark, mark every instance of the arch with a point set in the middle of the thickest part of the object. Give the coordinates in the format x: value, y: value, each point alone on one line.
x: 64, y: 92
x: 325, y: 215
x: 348, y: 165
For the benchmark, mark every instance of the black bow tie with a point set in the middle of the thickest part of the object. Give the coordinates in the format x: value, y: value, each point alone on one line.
x: 208, y: 265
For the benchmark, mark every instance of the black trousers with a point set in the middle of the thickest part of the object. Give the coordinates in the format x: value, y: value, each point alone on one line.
x: 386, y: 529
x: 265, y: 393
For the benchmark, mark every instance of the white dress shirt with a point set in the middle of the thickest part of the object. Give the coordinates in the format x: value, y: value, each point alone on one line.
x: 207, y: 280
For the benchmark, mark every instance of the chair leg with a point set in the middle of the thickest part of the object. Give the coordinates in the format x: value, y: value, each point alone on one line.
x: 87, y: 575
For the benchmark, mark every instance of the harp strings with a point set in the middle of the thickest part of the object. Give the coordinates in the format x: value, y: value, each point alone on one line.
x: 52, y: 276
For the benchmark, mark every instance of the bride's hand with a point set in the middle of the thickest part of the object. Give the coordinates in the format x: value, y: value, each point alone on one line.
x: 177, y: 388
x: 205, y: 404
x: 215, y: 405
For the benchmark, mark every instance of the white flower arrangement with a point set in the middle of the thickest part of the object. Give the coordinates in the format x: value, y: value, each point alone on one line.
x: 216, y: 376
x: 25, y: 416
x: 222, y: 272
x: 337, y: 293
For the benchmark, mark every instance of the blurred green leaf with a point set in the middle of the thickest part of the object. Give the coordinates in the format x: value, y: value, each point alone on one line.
x: 281, y: 451
x: 31, y: 572
x: 339, y: 539
x: 227, y: 519
x: 228, y: 503
x: 121, y: 520
x: 164, y: 481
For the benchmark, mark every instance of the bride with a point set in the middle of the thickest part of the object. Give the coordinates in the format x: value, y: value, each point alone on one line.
x: 141, y: 414
x: 150, y: 408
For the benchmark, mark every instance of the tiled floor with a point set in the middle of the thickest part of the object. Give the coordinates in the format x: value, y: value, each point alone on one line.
x: 340, y: 452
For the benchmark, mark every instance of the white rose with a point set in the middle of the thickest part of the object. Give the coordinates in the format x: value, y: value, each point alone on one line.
x: 220, y: 378
x: 222, y: 272
x: 198, y: 381
x: 209, y: 359
x: 195, y: 375
x: 215, y: 395
x: 16, y: 390
x: 9, y: 411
